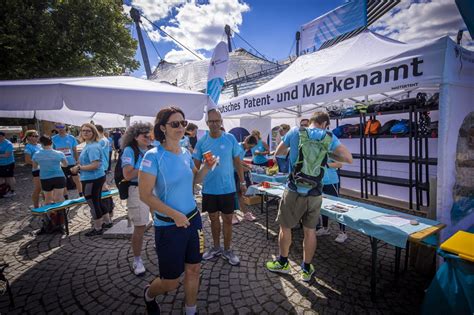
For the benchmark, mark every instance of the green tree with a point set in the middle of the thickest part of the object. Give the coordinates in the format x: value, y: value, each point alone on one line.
x: 64, y: 38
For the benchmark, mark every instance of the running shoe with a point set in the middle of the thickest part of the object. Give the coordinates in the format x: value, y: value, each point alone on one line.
x: 307, y: 274
x: 341, y: 237
x: 138, y: 268
x: 249, y: 216
x: 235, y: 219
x: 276, y: 266
x: 211, y: 253
x: 152, y: 308
x: 323, y: 231
x: 9, y: 194
x: 231, y: 257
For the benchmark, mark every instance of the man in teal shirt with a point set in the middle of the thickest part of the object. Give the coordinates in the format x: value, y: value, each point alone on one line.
x: 218, y: 189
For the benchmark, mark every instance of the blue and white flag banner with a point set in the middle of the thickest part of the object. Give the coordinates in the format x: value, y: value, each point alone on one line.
x: 217, y: 73
x: 344, y: 19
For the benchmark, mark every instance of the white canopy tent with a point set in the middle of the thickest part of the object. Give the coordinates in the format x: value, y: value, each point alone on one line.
x: 372, y: 67
x: 105, y: 100
x: 368, y: 65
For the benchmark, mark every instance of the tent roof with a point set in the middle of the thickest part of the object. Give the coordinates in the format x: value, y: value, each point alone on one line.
x: 193, y: 75
x: 319, y: 78
x: 97, y: 98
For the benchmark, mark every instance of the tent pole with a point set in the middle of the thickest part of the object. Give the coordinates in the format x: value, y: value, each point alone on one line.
x: 127, y: 120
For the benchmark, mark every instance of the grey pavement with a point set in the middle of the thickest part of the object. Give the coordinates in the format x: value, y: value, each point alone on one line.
x: 77, y: 275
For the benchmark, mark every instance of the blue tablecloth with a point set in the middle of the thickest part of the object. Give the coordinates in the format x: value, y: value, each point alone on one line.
x: 364, y: 218
x: 258, y: 178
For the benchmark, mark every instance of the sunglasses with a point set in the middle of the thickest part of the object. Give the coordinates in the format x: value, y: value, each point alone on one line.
x: 145, y: 135
x: 175, y: 124
x: 34, y: 136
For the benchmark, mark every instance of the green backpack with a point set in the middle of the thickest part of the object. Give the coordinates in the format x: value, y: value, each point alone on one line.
x: 308, y: 170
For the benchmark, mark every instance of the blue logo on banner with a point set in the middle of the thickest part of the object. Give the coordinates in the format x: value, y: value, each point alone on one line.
x: 214, y: 88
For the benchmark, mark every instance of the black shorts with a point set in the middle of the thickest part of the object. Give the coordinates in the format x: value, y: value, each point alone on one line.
x: 53, y: 183
x: 67, y: 170
x: 214, y: 203
x: 7, y: 170
x: 177, y: 246
x: 35, y: 173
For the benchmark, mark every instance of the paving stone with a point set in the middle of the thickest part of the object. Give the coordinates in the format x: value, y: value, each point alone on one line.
x: 76, y: 275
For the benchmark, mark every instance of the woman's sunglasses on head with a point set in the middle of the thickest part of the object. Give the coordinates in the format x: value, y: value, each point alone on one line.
x: 175, y: 124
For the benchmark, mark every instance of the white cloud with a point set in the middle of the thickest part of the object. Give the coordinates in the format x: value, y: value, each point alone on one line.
x: 156, y: 10
x: 181, y: 56
x: 412, y: 22
x: 196, y: 25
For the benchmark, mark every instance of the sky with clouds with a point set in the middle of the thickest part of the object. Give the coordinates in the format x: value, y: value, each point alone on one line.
x: 270, y: 26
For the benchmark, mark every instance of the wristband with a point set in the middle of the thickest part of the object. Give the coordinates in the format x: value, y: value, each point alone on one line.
x: 243, y: 183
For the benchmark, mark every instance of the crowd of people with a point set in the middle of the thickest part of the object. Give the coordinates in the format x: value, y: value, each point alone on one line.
x: 160, y: 166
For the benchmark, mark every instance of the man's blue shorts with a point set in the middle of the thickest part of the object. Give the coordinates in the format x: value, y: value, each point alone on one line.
x: 177, y: 246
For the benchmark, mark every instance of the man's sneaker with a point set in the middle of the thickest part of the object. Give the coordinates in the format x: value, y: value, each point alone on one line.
x: 276, y: 266
x: 9, y: 194
x: 235, y: 219
x: 231, y: 257
x: 94, y: 232
x: 211, y: 253
x: 341, y: 238
x: 152, y: 308
x: 323, y: 231
x: 249, y: 216
x: 306, y: 274
x: 138, y: 268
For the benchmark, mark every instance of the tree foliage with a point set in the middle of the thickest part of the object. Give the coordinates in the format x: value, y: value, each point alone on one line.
x: 64, y: 38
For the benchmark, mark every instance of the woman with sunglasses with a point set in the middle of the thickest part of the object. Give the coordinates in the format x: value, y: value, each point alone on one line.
x: 134, y: 144
x: 92, y: 176
x: 32, y: 146
x: 166, y: 178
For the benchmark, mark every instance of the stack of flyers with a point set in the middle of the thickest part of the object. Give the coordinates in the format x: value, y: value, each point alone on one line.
x: 340, y: 207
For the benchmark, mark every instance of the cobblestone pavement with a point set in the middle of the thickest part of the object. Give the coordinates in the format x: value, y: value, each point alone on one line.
x: 76, y: 274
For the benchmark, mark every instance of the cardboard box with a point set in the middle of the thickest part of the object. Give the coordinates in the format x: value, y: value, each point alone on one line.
x: 252, y: 200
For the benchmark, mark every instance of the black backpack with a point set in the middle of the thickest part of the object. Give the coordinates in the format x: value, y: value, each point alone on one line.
x: 118, y: 172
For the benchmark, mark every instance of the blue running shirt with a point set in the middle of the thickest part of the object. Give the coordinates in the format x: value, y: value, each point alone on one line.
x: 31, y: 149
x: 330, y: 175
x: 6, y: 146
x: 292, y: 139
x: 111, y: 144
x: 242, y: 151
x: 104, y: 143
x: 174, y: 179
x: 65, y: 145
x: 92, y: 152
x: 259, y: 159
x: 220, y: 181
x: 128, y: 158
x: 49, y: 162
x: 184, y: 142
